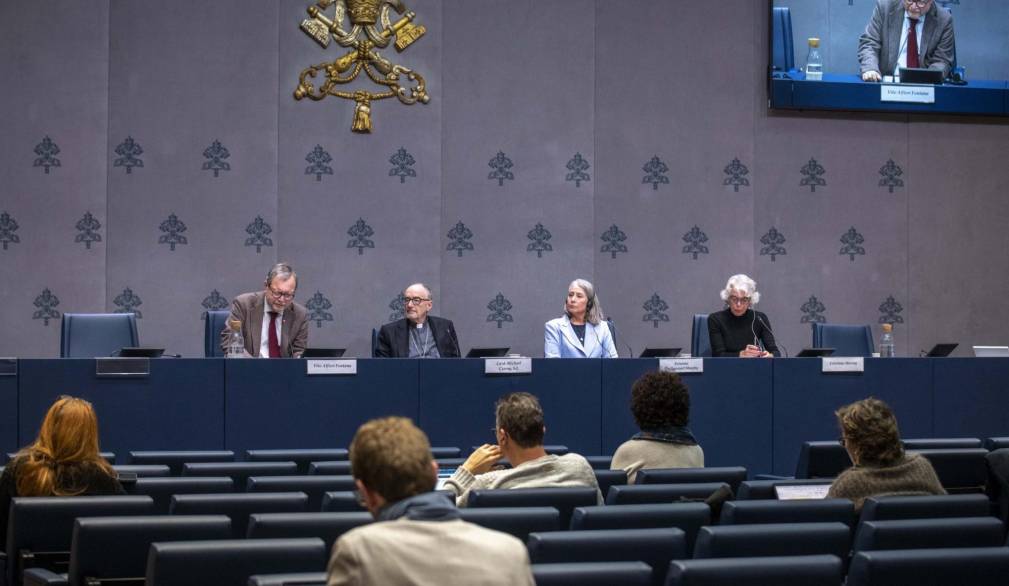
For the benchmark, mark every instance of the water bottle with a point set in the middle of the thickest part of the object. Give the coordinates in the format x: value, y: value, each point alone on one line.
x: 886, y: 349
x: 814, y: 62
x: 234, y: 346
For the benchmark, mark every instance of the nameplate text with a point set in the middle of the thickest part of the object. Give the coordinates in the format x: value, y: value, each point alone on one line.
x: 843, y: 364
x: 508, y: 366
x: 910, y: 94
x: 681, y: 365
x: 332, y: 366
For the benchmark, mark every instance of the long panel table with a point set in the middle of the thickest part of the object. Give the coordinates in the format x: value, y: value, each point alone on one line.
x: 754, y: 413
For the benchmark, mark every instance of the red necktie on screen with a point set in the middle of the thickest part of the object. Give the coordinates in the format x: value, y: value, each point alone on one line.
x: 272, y: 343
x: 912, y: 43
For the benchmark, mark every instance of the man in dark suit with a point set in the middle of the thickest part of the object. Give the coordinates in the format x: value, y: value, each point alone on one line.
x: 418, y: 335
x: 887, y: 43
x: 273, y: 325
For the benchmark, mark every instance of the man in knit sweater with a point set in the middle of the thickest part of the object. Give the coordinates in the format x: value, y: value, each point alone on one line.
x: 520, y: 430
x: 881, y: 467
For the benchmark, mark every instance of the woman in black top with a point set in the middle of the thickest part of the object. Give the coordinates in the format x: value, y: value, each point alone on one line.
x: 739, y: 330
x: 63, y: 461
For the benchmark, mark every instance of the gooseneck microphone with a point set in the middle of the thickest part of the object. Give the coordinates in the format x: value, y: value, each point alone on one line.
x: 776, y: 341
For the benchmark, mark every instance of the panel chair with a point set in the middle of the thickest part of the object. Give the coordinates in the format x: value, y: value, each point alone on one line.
x: 929, y: 533
x: 977, y: 566
x: 162, y: 489
x: 564, y: 499
x: 238, y: 506
x: 114, y: 549
x: 805, y: 570
x: 773, y: 539
x: 230, y: 562
x: 517, y: 521
x: 93, y: 335
x: 846, y: 340
x: 592, y: 574
x: 700, y: 341
x: 212, y: 327
x: 782, y: 49
x: 326, y: 526
x: 655, y: 547
x: 731, y: 475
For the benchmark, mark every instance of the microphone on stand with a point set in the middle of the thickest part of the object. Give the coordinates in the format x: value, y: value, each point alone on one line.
x: 776, y: 341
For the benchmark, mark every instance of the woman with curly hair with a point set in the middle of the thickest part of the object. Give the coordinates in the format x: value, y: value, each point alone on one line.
x: 660, y: 404
x: 63, y: 461
x: 881, y: 467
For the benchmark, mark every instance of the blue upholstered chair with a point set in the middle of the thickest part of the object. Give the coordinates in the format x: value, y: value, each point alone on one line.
x: 844, y: 339
x: 240, y: 471
x: 326, y: 526
x: 996, y: 443
x: 773, y: 539
x: 929, y: 533
x: 782, y: 48
x: 212, y: 327
x: 174, y: 459
x: 314, y: 485
x: 443, y: 452
x: 960, y: 470
x: 883, y: 508
x: 162, y: 489
x: 292, y: 579
x: 977, y: 566
x: 797, y: 511
x: 822, y: 459
x: 688, y: 517
x: 639, y: 494
x: 230, y: 562
x: 332, y: 468
x: 238, y: 506
x: 608, y: 478
x: 700, y: 341
x: 564, y: 499
x: 517, y: 521
x: 143, y: 470
x: 603, y: 462
x: 341, y: 501
x: 302, y: 457
x: 655, y: 547
x: 805, y: 570
x: 591, y: 574
x: 942, y: 443
x: 91, y: 335
x: 731, y: 475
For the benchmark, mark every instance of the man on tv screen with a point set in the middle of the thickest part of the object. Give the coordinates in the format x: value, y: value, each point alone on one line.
x: 906, y: 33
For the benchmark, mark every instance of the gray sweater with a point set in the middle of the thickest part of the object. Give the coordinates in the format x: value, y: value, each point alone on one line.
x: 637, y: 454
x: 913, y: 475
x: 545, y: 472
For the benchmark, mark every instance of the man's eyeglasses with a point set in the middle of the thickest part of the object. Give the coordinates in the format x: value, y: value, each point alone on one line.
x: 918, y: 2
x: 739, y: 300
x: 282, y: 294
x: 414, y: 300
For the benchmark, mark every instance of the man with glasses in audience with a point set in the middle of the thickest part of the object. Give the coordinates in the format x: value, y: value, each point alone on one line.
x: 418, y: 335
x: 273, y: 325
x: 906, y: 33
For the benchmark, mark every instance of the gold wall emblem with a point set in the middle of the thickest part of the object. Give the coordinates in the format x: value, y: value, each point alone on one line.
x: 370, y: 29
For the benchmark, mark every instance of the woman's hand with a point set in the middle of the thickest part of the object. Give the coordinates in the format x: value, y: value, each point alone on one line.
x: 751, y: 351
x: 482, y: 459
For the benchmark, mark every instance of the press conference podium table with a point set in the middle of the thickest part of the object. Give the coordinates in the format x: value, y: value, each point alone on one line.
x: 848, y: 92
x: 754, y: 413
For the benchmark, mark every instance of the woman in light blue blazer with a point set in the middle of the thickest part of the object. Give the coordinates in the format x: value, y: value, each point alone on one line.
x: 581, y: 332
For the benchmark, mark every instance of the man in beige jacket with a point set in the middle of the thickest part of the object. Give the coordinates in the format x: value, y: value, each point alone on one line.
x: 418, y: 538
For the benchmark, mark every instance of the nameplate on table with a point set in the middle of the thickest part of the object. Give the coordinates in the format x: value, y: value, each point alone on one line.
x: 508, y: 366
x: 341, y: 366
x: 122, y: 367
x: 681, y: 365
x: 8, y: 366
x: 909, y: 94
x: 843, y: 364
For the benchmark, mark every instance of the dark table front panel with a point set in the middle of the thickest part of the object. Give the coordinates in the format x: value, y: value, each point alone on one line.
x: 457, y: 401
x: 730, y: 409
x: 179, y: 406
x: 971, y: 397
x: 275, y: 404
x: 805, y: 400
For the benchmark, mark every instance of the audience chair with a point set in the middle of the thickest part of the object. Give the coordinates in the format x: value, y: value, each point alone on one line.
x: 688, y: 517
x: 564, y: 499
x: 773, y: 539
x: 996, y: 443
x: 238, y: 506
x: 40, y: 529
x: 230, y: 562
x: 94, y: 335
x: 806, y: 570
x: 976, y: 566
x: 143, y: 470
x: 635, y: 494
x: 326, y: 526
x: 731, y: 475
x: 592, y: 574
x: 960, y: 470
x: 929, y: 533
x: 213, y: 325
x: 113, y: 550
x: 517, y: 521
x: 700, y: 341
x: 556, y: 449
x: 600, y: 462
x: 655, y: 547
x: 886, y: 508
x: 607, y: 478
x: 846, y: 340
x: 175, y: 459
x: 442, y: 452
x: 341, y: 501
x: 799, y: 511
x: 822, y: 459
x: 240, y: 471
x: 295, y: 579
x: 764, y: 489
x: 302, y: 457
x: 161, y: 490
x: 330, y: 468
x: 314, y: 486
x: 942, y: 443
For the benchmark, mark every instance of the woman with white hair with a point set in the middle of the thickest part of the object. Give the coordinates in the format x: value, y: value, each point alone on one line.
x: 739, y: 330
x: 582, y: 331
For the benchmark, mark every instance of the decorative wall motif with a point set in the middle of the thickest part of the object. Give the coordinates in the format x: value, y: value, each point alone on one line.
x: 398, y: 307
x: 459, y: 237
x: 46, y: 304
x: 317, y: 307
x: 402, y: 162
x: 47, y: 151
x: 501, y: 166
x: 655, y: 173
x: 360, y: 234
x: 258, y: 232
x: 852, y: 242
x: 772, y: 242
x: 737, y: 173
x: 213, y: 302
x: 128, y: 302
x: 695, y: 240
x: 499, y: 308
x: 812, y: 311
x: 578, y: 167
x: 215, y: 155
x: 539, y: 236
x: 655, y: 308
x: 87, y: 228
x: 614, y: 238
x: 318, y: 163
x: 891, y: 173
x: 8, y: 227
x: 812, y: 176
x: 173, y: 228
x: 890, y: 311
x: 129, y: 152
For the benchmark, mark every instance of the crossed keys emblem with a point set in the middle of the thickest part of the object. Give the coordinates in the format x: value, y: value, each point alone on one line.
x: 371, y: 29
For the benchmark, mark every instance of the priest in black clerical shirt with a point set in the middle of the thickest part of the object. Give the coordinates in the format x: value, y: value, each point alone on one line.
x: 739, y: 330
x: 418, y: 335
